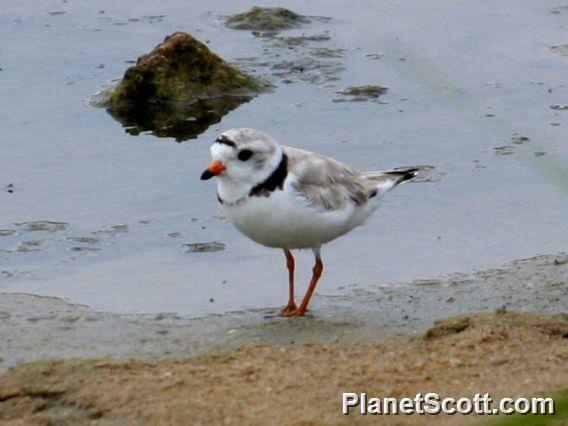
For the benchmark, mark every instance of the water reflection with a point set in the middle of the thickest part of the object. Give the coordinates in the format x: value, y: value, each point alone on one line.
x: 179, y: 121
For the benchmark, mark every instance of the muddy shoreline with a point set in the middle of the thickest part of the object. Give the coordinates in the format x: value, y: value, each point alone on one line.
x: 37, y: 328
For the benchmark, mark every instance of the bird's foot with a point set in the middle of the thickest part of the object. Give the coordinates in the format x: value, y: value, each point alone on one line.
x: 293, y: 313
x: 290, y: 307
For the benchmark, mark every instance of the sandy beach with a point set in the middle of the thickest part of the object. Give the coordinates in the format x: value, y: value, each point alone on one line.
x: 503, y: 354
x: 163, y: 369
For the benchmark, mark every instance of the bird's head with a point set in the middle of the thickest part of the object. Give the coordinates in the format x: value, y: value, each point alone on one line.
x: 243, y: 156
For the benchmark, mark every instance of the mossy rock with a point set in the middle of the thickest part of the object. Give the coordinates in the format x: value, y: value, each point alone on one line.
x: 266, y: 19
x: 180, y: 69
x: 178, y: 90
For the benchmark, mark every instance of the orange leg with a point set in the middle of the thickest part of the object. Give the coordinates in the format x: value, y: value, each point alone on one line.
x: 291, y: 306
x: 316, y: 274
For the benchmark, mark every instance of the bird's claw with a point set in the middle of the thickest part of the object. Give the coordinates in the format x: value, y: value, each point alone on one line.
x: 290, y: 307
x: 292, y: 312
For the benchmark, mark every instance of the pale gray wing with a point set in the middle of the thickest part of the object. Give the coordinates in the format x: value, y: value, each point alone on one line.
x: 324, y: 182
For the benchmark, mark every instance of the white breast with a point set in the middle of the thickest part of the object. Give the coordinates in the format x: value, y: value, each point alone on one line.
x: 285, y: 220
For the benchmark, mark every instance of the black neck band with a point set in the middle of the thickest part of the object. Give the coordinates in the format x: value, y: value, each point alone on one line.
x: 275, y: 180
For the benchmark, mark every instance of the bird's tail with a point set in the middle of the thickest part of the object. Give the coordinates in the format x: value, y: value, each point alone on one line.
x: 379, y: 183
x: 403, y: 174
x: 394, y: 176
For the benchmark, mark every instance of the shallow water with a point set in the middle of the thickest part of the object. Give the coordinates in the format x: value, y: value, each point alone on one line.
x: 102, y: 217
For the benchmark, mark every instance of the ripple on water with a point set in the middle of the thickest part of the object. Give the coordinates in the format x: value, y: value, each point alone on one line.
x: 31, y: 246
x: 85, y: 240
x: 114, y: 230
x: 504, y: 150
x: 204, y: 247
x: 42, y: 225
x: 82, y: 249
x: 92, y: 244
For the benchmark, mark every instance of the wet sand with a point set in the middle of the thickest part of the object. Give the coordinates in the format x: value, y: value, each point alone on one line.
x: 163, y: 368
x: 36, y: 327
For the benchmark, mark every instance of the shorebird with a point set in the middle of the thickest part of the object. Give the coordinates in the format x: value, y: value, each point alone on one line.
x: 288, y: 198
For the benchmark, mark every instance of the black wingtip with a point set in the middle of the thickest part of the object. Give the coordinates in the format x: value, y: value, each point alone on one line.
x: 404, y: 175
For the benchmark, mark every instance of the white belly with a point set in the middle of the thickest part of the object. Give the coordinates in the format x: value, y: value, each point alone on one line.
x: 285, y: 221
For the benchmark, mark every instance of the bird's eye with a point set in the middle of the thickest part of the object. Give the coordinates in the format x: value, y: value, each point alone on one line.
x: 244, y: 155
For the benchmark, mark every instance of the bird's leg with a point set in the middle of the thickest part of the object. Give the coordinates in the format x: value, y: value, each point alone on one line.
x: 316, y: 274
x: 291, y: 306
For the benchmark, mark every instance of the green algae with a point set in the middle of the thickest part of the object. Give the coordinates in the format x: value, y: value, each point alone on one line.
x: 266, y: 19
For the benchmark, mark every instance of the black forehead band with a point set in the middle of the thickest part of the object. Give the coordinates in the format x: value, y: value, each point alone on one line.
x: 225, y: 141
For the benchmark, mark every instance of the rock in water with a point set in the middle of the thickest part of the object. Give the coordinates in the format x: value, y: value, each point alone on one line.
x: 180, y: 69
x: 178, y: 90
x: 266, y: 19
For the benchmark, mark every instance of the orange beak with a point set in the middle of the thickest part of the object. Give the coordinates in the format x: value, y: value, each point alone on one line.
x: 214, y: 169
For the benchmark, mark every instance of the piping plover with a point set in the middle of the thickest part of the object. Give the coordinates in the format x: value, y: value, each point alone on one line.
x: 289, y: 198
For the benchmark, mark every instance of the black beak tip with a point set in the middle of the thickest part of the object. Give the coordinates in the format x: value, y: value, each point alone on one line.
x: 206, y: 175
